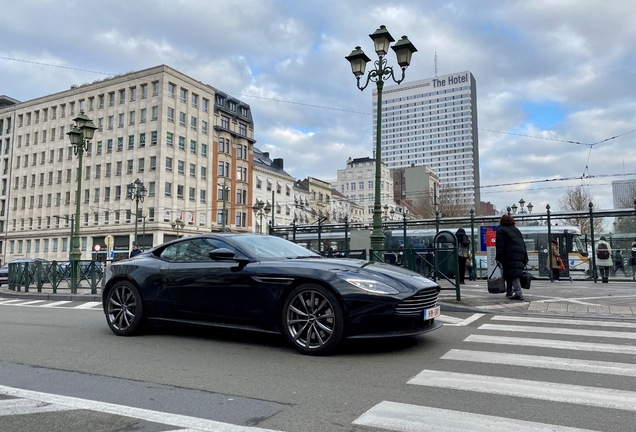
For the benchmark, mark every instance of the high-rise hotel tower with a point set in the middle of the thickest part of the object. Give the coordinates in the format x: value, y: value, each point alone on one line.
x: 433, y: 122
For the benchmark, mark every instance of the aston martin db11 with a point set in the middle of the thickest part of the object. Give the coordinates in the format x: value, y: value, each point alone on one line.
x: 268, y: 284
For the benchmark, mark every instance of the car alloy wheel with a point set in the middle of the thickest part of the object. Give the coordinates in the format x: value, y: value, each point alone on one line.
x: 313, y: 320
x: 124, y: 310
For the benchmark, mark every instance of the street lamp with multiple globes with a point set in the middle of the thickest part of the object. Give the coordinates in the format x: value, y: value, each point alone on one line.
x: 80, y: 136
x: 521, y: 208
x: 136, y: 191
x: 177, y: 226
x: 259, y: 212
x: 404, y: 49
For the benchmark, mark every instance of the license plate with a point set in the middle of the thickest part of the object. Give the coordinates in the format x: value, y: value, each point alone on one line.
x: 432, y: 313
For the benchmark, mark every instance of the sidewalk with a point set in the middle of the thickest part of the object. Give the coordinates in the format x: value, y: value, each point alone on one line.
x: 579, y: 298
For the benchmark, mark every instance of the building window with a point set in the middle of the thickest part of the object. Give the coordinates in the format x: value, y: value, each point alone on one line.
x: 225, y: 122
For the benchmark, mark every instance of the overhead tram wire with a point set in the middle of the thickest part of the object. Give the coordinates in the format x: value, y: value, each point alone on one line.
x: 332, y: 108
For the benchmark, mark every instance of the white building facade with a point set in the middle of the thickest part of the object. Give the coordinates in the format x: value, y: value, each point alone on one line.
x: 433, y: 122
x: 273, y: 191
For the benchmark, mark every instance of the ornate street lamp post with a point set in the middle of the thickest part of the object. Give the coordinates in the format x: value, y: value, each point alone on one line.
x: 404, y: 49
x: 136, y: 191
x: 258, y: 212
x: 80, y: 136
x: 177, y: 226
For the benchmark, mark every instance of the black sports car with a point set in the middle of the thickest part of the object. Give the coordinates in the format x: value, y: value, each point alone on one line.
x: 265, y: 283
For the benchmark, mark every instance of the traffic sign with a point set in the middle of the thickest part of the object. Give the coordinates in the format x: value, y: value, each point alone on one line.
x: 109, y: 240
x: 97, y: 248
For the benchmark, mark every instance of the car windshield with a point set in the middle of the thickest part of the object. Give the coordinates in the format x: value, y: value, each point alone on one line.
x: 270, y: 247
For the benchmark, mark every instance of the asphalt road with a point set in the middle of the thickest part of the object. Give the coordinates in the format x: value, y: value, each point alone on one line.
x: 61, y: 369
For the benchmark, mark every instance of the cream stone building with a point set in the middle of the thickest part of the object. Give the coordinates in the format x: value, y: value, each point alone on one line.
x: 357, y: 183
x: 185, y: 141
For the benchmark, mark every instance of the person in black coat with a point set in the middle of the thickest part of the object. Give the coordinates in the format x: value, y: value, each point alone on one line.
x: 463, y: 242
x: 511, y: 254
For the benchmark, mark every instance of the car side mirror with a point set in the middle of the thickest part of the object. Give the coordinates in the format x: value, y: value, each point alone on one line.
x: 221, y: 254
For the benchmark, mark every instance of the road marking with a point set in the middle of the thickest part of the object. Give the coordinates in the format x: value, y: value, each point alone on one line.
x: 555, y: 344
x: 544, y: 362
x: 454, y: 321
x: 592, y: 323
x: 10, y: 301
x: 559, y: 331
x: 32, y: 302
x: 542, y: 390
x: 180, y: 421
x: 412, y: 418
x: 88, y: 305
x: 27, y: 406
x: 57, y: 303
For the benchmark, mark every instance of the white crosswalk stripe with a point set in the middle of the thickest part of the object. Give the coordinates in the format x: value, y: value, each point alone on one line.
x: 390, y: 415
x: 61, y: 304
x: 577, y: 322
x: 560, y: 331
x: 553, y: 344
x: 410, y: 418
x: 592, y: 396
x: 545, y: 362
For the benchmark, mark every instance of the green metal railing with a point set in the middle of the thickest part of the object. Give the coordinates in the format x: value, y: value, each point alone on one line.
x: 56, y: 275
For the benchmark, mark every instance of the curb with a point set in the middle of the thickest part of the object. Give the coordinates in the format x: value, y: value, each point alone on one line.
x: 453, y: 307
x: 49, y: 296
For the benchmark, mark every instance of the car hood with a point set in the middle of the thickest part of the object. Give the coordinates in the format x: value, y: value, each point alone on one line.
x: 386, y: 273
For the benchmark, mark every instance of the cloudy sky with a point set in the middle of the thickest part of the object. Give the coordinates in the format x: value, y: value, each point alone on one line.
x: 556, y: 79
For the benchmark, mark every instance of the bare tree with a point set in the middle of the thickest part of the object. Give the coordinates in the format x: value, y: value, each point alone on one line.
x: 578, y: 199
x: 450, y: 199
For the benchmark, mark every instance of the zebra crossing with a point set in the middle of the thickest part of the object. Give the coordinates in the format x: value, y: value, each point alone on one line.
x: 60, y: 304
x: 552, y: 345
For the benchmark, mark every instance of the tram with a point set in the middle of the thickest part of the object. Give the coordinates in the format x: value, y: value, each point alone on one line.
x: 535, y: 237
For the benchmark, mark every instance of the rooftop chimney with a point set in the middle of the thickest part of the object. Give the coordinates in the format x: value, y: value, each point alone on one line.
x: 277, y: 163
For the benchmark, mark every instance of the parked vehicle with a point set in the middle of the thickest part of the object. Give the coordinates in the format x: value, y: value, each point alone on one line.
x: 268, y: 284
x: 4, y: 270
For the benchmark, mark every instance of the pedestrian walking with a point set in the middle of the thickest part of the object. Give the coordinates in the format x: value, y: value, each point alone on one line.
x: 604, y: 258
x: 556, y: 261
x: 463, y: 243
x: 511, y: 254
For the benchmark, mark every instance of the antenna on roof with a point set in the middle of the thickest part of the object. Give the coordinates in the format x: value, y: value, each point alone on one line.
x: 435, y: 64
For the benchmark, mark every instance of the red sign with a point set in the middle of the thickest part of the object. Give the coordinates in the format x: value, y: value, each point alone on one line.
x: 97, y: 248
x: 491, y: 238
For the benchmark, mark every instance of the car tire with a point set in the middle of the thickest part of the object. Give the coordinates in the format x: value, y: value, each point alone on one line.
x: 124, y: 309
x: 312, y: 320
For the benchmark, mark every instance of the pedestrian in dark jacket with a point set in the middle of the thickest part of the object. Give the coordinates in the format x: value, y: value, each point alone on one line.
x: 463, y: 242
x: 135, y: 251
x: 511, y: 254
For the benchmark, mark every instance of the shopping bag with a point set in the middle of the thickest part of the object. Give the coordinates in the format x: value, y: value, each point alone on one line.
x: 526, y: 279
x: 560, y: 261
x: 496, y: 285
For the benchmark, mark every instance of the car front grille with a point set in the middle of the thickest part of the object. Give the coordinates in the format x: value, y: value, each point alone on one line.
x: 423, y: 299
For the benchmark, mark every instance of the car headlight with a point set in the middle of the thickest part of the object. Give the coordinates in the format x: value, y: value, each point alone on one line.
x: 368, y: 285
